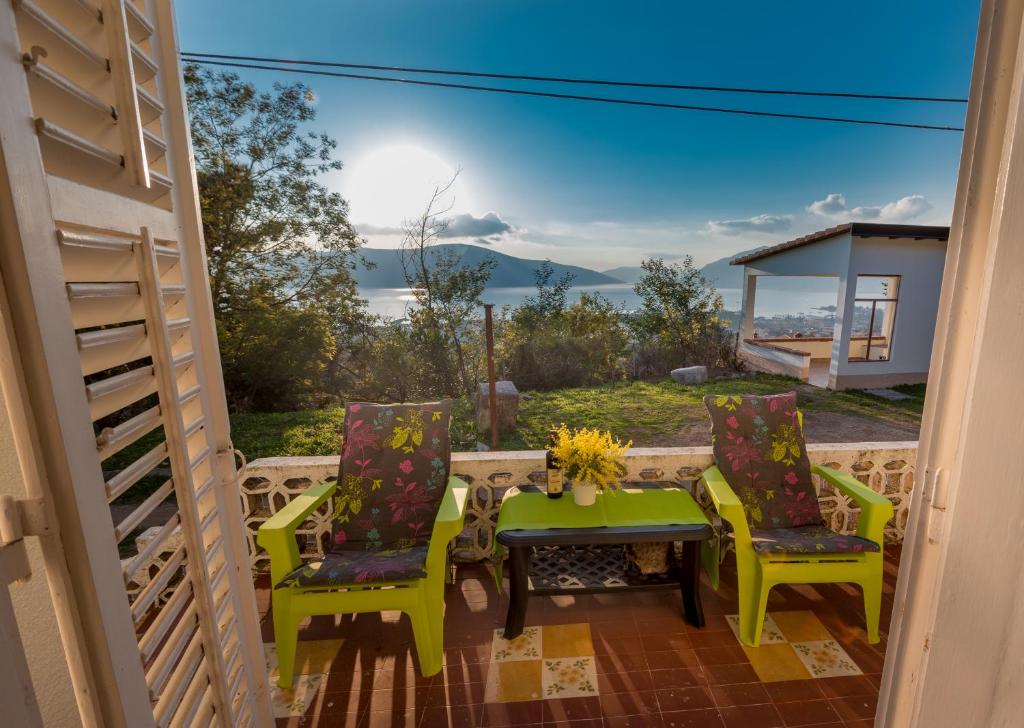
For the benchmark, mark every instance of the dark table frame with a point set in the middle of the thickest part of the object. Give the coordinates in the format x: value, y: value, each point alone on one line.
x: 520, y: 545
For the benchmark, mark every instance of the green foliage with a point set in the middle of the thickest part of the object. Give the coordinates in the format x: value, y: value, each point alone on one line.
x: 546, y: 343
x: 679, y: 322
x: 279, y: 244
x: 446, y: 333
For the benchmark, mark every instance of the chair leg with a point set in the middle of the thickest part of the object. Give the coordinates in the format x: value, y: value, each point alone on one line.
x: 872, y: 589
x: 286, y: 636
x: 428, y: 649
x: 753, y: 600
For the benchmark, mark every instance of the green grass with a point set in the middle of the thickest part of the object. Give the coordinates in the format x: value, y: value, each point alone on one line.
x: 648, y: 413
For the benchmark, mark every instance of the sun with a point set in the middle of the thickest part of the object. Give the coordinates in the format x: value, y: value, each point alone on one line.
x: 395, y: 182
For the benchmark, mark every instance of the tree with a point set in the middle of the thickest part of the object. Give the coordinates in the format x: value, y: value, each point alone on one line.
x: 547, y: 343
x: 679, y: 319
x: 279, y: 243
x: 448, y: 297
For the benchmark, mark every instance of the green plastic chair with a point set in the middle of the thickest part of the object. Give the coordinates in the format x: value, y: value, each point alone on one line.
x: 394, y: 512
x: 421, y: 599
x: 758, y: 571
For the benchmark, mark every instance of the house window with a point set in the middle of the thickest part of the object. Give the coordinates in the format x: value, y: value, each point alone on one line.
x: 874, y: 317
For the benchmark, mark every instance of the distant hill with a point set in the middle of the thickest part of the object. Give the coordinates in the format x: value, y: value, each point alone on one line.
x: 626, y: 273
x: 508, y: 272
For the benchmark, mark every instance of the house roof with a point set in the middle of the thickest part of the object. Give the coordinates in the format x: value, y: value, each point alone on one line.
x: 857, y: 229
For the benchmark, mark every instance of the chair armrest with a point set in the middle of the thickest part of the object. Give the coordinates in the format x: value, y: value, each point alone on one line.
x: 876, y: 509
x: 726, y: 503
x: 277, y: 534
x: 448, y: 523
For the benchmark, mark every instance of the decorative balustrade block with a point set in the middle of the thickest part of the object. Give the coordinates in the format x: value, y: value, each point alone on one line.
x: 269, y: 483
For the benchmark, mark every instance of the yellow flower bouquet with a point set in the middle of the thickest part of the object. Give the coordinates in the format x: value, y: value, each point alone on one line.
x: 591, y: 459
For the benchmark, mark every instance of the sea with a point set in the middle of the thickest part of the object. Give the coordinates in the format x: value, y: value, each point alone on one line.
x: 394, y: 302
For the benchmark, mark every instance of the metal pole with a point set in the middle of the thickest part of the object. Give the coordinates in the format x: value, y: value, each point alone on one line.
x: 492, y: 384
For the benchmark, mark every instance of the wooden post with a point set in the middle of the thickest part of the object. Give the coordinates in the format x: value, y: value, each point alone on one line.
x: 492, y: 384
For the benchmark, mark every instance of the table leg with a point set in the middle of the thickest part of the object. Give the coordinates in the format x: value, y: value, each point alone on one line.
x: 519, y: 585
x: 689, y: 584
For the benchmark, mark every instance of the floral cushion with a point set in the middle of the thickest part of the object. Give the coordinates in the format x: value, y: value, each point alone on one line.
x: 359, y: 567
x: 760, y: 450
x: 808, y: 540
x: 395, y: 460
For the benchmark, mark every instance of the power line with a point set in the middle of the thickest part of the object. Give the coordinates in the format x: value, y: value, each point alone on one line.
x: 575, y: 97
x: 586, y: 81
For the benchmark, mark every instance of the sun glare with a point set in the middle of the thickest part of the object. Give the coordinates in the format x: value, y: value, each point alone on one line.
x: 393, y: 183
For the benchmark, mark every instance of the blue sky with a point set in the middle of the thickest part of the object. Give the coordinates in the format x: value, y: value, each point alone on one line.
x: 600, y: 185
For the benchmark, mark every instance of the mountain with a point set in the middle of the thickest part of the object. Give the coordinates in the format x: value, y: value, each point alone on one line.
x: 508, y: 271
x: 626, y: 273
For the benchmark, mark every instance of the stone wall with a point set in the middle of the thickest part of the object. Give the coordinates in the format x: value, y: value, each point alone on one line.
x: 269, y: 484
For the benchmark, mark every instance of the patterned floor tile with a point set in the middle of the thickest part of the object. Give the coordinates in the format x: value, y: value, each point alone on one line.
x: 566, y: 640
x: 775, y: 663
x: 803, y: 626
x: 770, y: 633
x: 513, y: 681
x: 295, y: 701
x: 825, y: 658
x: 312, y: 657
x: 526, y: 646
x: 569, y: 677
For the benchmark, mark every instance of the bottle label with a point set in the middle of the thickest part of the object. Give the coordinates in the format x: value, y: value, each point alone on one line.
x: 554, y: 480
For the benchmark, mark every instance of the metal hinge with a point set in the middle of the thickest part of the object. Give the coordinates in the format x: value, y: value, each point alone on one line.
x: 18, y: 518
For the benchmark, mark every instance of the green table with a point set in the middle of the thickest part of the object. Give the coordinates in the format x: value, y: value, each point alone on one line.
x: 529, y: 522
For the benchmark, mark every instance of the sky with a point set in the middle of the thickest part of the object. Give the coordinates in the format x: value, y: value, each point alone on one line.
x: 602, y: 185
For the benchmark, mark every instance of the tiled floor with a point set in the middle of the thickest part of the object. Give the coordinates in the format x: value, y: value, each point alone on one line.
x: 650, y: 668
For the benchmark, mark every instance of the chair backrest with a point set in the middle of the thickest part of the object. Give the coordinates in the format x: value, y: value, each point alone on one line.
x: 395, y: 460
x: 759, y: 447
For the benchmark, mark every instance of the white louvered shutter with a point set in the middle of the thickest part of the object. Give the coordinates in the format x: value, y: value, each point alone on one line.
x: 104, y: 271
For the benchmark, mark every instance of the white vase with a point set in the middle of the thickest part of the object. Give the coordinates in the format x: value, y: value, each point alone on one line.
x: 585, y: 494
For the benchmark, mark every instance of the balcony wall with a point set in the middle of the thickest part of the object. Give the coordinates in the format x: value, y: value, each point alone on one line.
x: 270, y: 483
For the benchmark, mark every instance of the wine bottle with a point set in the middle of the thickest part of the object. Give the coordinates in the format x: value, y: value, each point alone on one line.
x: 554, y: 473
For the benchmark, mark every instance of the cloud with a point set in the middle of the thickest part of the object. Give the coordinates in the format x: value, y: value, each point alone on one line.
x: 833, y: 204
x: 366, y: 228
x: 488, y: 228
x: 755, y: 224
x: 901, y: 210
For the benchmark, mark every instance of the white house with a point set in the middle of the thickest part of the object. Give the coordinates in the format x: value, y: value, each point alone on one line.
x: 888, y: 296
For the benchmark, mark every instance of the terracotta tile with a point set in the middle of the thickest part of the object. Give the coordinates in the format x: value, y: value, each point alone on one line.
x: 703, y: 718
x: 801, y: 626
x: 620, y: 663
x: 807, y: 712
x: 387, y: 718
x: 642, y: 702
x: 665, y: 660
x: 712, y: 638
x: 464, y: 716
x: 670, y: 699
x: 564, y: 710
x: 633, y: 721
x: 661, y: 642
x: 679, y: 677
x: 788, y: 690
x: 456, y: 693
x: 751, y: 716
x: 776, y: 662
x: 512, y: 714
x: 842, y: 687
x: 661, y: 625
x: 855, y: 707
x: 566, y: 640
x: 724, y: 655
x: 730, y: 674
x: 625, y: 682
x: 726, y: 696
